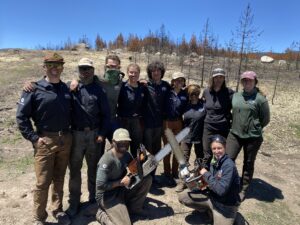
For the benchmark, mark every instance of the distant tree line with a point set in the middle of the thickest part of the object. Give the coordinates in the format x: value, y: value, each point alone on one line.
x: 161, y: 42
x: 242, y: 45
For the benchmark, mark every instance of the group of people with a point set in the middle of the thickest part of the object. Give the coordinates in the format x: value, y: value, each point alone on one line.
x: 72, y: 122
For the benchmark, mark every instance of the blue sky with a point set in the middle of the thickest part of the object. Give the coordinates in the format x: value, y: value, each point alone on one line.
x: 28, y: 23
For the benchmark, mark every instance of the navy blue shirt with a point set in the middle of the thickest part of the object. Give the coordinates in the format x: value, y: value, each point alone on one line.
x: 223, y: 181
x: 176, y: 104
x: 131, y: 100
x: 49, y: 106
x: 194, y: 118
x: 91, y: 108
x: 218, y: 106
x: 156, y: 97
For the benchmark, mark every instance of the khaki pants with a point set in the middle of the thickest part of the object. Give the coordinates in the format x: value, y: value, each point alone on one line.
x: 176, y: 127
x: 224, y: 215
x: 51, y: 160
x: 115, y: 207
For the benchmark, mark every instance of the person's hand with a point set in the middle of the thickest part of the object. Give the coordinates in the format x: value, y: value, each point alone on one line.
x: 99, y: 139
x: 125, y: 181
x: 41, y: 141
x: 203, y: 171
x: 143, y: 81
x: 29, y: 86
x: 73, y: 85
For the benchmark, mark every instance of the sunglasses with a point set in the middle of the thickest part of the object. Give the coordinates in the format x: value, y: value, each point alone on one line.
x: 85, y: 68
x: 54, y: 65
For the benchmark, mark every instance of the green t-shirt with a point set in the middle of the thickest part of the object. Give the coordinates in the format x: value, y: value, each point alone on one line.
x: 110, y: 169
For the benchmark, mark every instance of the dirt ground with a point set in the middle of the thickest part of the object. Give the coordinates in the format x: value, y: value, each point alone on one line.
x: 274, y: 193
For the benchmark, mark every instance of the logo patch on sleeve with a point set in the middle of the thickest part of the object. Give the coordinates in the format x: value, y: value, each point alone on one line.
x: 104, y: 166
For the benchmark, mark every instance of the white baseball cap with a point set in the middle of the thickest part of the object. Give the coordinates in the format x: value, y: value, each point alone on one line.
x: 86, y: 62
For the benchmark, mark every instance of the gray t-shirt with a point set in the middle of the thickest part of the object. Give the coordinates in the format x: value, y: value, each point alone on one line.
x: 110, y: 169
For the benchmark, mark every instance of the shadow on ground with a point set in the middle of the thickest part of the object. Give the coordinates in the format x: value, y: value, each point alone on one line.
x: 203, y: 218
x: 263, y: 191
x: 156, y: 209
x: 198, y: 218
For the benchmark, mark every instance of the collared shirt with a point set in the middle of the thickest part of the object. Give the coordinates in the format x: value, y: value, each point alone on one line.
x: 91, y: 108
x: 131, y: 100
x: 156, y: 97
x: 49, y: 106
x: 176, y: 103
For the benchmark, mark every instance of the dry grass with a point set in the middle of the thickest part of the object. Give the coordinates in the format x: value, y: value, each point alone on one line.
x: 274, y: 198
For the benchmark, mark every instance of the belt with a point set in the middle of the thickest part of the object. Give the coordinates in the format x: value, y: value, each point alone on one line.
x: 54, y: 133
x: 86, y: 129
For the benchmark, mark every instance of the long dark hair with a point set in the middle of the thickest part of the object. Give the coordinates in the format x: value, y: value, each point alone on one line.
x: 211, y: 84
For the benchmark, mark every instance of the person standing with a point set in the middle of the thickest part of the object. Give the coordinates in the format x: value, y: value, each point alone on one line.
x: 130, y: 107
x: 90, y: 122
x: 251, y: 113
x: 175, y: 105
x: 193, y: 117
x: 157, y: 91
x: 218, y: 110
x: 111, y: 83
x: 49, y: 107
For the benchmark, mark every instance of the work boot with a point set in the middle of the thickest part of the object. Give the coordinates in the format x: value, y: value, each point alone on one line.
x: 62, y: 218
x: 169, y: 180
x: 72, y: 210
x: 180, y: 187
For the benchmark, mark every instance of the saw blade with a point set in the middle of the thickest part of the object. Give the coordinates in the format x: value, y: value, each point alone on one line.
x: 167, y: 148
x: 153, y: 161
x: 175, y: 147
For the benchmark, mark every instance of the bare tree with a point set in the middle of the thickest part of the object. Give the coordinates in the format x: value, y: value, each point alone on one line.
x: 247, y: 33
x: 204, y: 46
x: 276, y: 82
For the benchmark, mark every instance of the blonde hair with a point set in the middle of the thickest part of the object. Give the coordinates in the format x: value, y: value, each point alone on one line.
x: 192, y: 88
x: 134, y: 65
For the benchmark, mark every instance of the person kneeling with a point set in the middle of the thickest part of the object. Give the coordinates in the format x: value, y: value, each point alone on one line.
x: 114, y: 198
x: 222, y: 195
